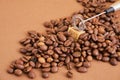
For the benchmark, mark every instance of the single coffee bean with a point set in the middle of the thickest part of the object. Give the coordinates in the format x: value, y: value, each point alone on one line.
x: 89, y: 58
x: 76, y: 54
x: 27, y: 69
x: 53, y: 64
x: 45, y: 65
x: 45, y: 74
x: 60, y: 64
x: 32, y: 63
x: 67, y: 43
x: 95, y: 52
x: 50, y: 52
x: 42, y: 39
x: 113, y: 61
x: 69, y: 66
x: 37, y: 65
x: 86, y: 64
x: 43, y: 47
x: 105, y: 59
x: 18, y: 72
x: 50, y: 59
x: 69, y: 74
x: 23, y: 50
x: 61, y: 36
x: 45, y: 69
x: 31, y: 75
x: 54, y: 69
x: 19, y: 61
x: 41, y: 60
x: 10, y: 70
x: 67, y: 60
x: 82, y: 69
x: 19, y: 66
x: 79, y: 64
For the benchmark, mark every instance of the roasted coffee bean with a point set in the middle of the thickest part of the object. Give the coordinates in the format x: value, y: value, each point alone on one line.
x: 45, y: 65
x: 41, y: 60
x: 60, y: 64
x: 67, y: 60
x: 43, y: 47
x: 67, y: 43
x: 55, y: 56
x: 118, y: 58
x: 82, y: 69
x: 10, y: 70
x: 105, y: 59
x: 63, y: 28
x: 54, y: 69
x: 86, y: 64
x: 23, y: 50
x: 49, y: 42
x: 37, y: 65
x: 76, y: 54
x: 18, y: 72
x: 61, y: 36
x: 45, y: 74
x: 69, y: 74
x: 53, y: 64
x: 69, y: 66
x: 79, y: 64
x: 19, y: 61
x: 45, y: 69
x: 113, y: 61
x: 50, y: 59
x: 50, y: 52
x: 31, y: 75
x: 27, y: 69
x: 89, y: 58
x: 95, y: 52
x: 19, y: 66
x: 32, y: 63
x: 58, y: 50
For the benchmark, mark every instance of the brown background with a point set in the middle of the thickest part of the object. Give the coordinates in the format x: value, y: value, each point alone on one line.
x: 19, y: 16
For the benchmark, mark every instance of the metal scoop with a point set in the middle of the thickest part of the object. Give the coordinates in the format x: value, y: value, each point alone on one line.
x: 114, y: 7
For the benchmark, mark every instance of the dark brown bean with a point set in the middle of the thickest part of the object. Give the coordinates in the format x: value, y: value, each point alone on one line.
x: 113, y: 61
x: 76, y: 54
x: 10, y: 70
x: 86, y: 64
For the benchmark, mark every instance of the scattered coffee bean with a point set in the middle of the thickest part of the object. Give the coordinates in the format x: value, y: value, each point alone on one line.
x: 69, y: 74
x: 82, y: 69
x: 18, y: 72
x: 54, y: 69
x: 45, y: 74
x: 31, y: 75
x: 10, y: 70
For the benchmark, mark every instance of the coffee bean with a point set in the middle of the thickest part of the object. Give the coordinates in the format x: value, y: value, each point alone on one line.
x: 42, y: 38
x: 10, y: 70
x: 58, y: 50
x: 43, y: 47
x: 63, y: 28
x: 19, y: 61
x: 67, y: 43
x: 31, y: 75
x: 86, y: 64
x: 105, y: 59
x: 60, y: 64
x: 45, y: 69
x: 19, y: 66
x: 118, y: 58
x: 27, y: 69
x: 69, y: 66
x: 50, y: 52
x: 67, y: 60
x: 113, y: 61
x: 18, y: 72
x: 76, y: 54
x: 23, y: 50
x: 79, y: 64
x: 45, y: 74
x: 89, y: 58
x: 82, y: 69
x: 95, y: 52
x: 32, y: 63
x: 41, y: 60
x: 37, y: 65
x: 45, y: 65
x: 61, y: 36
x: 69, y: 74
x: 54, y: 69
x: 50, y: 59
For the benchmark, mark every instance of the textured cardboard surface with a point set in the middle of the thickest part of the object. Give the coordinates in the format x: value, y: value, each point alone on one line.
x: 19, y: 16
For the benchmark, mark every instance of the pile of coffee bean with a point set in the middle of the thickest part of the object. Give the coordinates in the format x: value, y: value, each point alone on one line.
x: 56, y: 48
